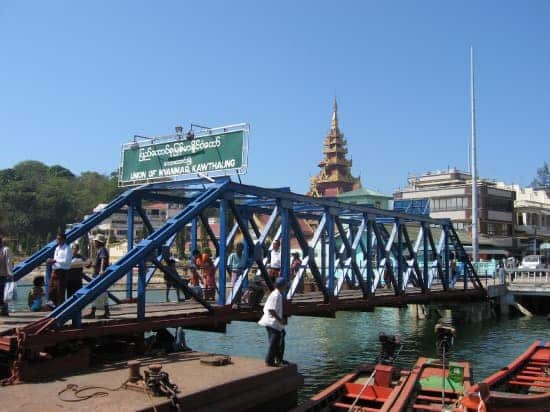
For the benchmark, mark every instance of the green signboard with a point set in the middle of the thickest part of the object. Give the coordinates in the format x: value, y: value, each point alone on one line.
x: 177, y: 158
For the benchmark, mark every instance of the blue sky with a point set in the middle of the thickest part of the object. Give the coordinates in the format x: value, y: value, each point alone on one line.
x: 77, y: 79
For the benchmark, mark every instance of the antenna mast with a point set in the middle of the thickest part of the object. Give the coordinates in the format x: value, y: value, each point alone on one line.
x: 473, y: 160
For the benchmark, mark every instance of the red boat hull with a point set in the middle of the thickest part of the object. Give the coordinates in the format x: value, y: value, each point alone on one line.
x: 524, y: 385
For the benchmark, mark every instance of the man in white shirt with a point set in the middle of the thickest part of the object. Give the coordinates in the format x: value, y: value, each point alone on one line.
x: 6, y: 274
x: 274, y: 322
x: 61, y: 263
x: 275, y: 260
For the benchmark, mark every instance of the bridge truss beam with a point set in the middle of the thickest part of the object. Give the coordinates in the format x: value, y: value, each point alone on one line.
x: 342, y: 244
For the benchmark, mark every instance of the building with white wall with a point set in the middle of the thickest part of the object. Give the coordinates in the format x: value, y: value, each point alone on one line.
x: 532, y: 217
x: 450, y: 197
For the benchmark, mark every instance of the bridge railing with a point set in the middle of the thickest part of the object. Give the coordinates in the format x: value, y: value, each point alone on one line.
x: 521, y: 275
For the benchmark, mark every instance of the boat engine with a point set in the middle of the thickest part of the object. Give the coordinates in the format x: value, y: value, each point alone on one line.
x: 444, y: 339
x: 389, y: 345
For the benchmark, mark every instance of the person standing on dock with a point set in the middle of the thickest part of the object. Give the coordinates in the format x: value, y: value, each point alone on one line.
x: 274, y: 322
x: 101, y: 263
x: 6, y: 274
x: 61, y: 263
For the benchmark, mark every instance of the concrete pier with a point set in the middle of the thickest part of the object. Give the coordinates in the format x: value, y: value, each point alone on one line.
x: 474, y: 312
x: 244, y: 385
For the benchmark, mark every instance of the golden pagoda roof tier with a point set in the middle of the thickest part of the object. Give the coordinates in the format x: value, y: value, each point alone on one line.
x: 332, y: 140
x: 335, y: 162
x: 328, y: 150
x: 335, y: 175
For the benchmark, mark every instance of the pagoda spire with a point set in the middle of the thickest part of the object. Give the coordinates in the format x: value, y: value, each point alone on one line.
x: 335, y: 175
x: 334, y: 123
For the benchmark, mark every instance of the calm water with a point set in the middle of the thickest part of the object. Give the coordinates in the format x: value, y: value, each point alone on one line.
x: 326, y: 349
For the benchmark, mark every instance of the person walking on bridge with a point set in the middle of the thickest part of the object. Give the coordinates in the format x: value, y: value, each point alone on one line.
x: 236, y: 264
x: 101, y: 263
x: 275, y: 322
x: 275, y: 260
x: 6, y: 274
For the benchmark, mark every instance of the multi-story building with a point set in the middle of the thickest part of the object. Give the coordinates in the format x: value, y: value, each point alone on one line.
x: 450, y: 196
x: 532, y: 217
x: 116, y: 225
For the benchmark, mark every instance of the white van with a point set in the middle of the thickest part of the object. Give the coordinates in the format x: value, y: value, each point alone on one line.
x: 534, y: 262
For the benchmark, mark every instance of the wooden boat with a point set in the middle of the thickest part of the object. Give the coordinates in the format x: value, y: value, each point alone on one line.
x: 524, y: 385
x: 421, y: 389
x: 371, y: 388
x: 434, y: 386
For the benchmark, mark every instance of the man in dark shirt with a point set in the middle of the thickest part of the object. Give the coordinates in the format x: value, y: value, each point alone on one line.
x: 74, y: 276
x: 101, y: 263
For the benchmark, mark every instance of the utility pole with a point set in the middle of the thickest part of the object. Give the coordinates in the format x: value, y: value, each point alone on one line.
x: 473, y: 160
x: 535, y: 242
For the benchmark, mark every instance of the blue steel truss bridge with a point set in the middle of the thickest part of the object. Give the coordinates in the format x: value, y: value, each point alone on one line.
x: 357, y: 257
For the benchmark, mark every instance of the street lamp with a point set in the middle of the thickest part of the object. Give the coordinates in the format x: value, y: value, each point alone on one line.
x: 135, y: 144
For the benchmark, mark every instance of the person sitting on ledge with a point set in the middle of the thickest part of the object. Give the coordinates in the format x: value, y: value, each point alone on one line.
x: 36, y: 296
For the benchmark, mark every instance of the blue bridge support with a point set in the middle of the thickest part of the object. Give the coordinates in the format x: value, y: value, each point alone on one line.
x: 342, y: 245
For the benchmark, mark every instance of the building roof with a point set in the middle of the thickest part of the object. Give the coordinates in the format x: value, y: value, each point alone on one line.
x: 158, y: 205
x: 362, y: 192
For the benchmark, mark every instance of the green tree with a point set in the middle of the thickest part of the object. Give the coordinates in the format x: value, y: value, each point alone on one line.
x: 542, y: 180
x: 94, y: 188
x: 37, y: 200
x: 60, y: 171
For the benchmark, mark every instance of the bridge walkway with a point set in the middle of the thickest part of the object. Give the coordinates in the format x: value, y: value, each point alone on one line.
x: 193, y: 315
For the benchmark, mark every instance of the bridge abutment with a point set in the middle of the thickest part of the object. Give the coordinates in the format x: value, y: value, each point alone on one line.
x: 456, y: 313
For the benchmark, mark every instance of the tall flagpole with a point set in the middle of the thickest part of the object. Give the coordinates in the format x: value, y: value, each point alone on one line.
x: 473, y: 160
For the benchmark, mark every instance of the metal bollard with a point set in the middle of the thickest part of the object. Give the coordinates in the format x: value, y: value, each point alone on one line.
x: 133, y: 369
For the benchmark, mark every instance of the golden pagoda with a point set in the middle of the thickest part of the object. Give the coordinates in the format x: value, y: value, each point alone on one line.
x: 335, y: 176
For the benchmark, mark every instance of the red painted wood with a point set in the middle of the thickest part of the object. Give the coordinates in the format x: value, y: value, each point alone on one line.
x: 370, y: 393
x: 540, y: 385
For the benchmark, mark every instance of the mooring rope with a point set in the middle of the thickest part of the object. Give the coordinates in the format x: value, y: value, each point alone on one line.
x: 369, y: 380
x: 102, y: 391
x: 76, y: 392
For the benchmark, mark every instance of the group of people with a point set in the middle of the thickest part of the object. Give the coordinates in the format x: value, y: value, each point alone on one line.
x: 202, y: 280
x: 67, y: 270
x: 65, y: 279
x: 274, y: 262
x: 67, y: 266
